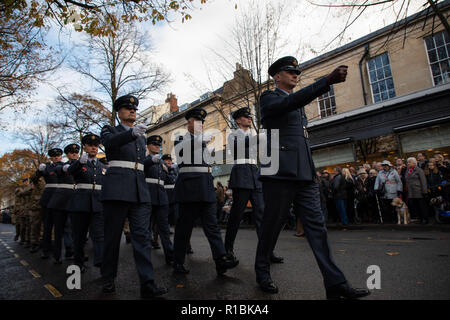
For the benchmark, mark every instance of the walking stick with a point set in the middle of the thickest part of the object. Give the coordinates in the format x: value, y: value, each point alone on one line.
x: 379, y: 210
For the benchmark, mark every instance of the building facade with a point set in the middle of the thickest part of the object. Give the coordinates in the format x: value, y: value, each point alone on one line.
x: 394, y: 103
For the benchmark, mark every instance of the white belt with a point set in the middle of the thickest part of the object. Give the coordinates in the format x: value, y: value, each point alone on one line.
x: 89, y: 186
x: 127, y: 165
x: 245, y: 161
x: 66, y: 186
x: 195, y: 169
x: 51, y: 185
x: 169, y: 186
x: 157, y: 181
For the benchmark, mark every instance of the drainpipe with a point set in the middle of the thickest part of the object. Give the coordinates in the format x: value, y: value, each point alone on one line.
x: 366, y: 52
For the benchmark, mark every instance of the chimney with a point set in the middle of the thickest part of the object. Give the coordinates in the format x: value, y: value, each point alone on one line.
x: 173, y: 103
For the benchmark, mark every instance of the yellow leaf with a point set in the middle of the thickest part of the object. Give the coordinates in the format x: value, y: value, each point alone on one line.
x: 393, y: 253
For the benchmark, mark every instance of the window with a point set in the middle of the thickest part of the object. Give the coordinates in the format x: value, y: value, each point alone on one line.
x: 438, y: 48
x: 327, y: 103
x: 380, y: 75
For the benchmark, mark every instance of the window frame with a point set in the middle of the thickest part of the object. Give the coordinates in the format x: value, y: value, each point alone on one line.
x: 385, y: 79
x: 329, y: 97
x: 438, y: 61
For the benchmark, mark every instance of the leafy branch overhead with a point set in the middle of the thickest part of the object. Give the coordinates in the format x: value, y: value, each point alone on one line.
x: 98, y: 17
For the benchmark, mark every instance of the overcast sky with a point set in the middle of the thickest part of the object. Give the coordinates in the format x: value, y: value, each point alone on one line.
x: 185, y: 50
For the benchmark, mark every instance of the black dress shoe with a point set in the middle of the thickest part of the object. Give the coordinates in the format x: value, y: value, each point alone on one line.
x: 57, y: 261
x: 189, y: 250
x: 230, y: 254
x: 34, y: 248
x: 268, y: 286
x: 224, y: 263
x: 179, y: 268
x: 275, y: 259
x: 45, y: 255
x: 344, y: 291
x: 109, y: 286
x: 150, y: 290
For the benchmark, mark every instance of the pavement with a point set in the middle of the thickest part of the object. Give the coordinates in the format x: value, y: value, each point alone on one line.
x: 413, y: 260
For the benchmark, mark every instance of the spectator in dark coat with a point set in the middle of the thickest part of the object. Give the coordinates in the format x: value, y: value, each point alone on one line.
x: 340, y: 195
x: 421, y: 161
x: 362, y: 191
x: 443, y: 166
x: 416, y: 183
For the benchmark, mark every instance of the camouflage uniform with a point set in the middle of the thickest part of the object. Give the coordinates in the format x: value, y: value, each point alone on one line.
x: 35, y: 214
x: 20, y: 217
x: 25, y: 225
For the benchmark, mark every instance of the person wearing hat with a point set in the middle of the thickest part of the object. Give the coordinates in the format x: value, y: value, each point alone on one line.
x: 156, y: 176
x: 60, y: 204
x: 48, y: 171
x: 295, y: 181
x: 170, y: 187
x: 195, y: 175
x: 85, y: 206
x: 244, y: 178
x: 388, y: 185
x: 125, y: 194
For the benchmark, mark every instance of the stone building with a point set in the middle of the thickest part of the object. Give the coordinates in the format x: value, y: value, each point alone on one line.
x: 395, y: 102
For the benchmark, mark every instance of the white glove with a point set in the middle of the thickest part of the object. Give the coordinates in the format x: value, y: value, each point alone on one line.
x: 84, y: 158
x: 156, y: 158
x: 207, y: 137
x: 139, y: 130
x: 42, y: 167
x: 65, y: 167
x: 165, y: 168
x: 173, y: 166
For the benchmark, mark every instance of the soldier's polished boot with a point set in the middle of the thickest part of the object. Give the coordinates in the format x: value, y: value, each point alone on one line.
x: 150, y: 290
x: 224, y: 263
x: 34, y: 248
x: 179, y: 268
x: 109, y: 286
x: 344, y: 291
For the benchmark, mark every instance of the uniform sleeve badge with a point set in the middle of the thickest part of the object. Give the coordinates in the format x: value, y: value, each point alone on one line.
x: 84, y: 169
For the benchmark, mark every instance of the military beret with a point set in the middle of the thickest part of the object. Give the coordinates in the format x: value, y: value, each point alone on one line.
x: 284, y: 64
x: 55, y: 152
x: 127, y: 101
x: 72, y: 148
x: 91, y: 139
x: 166, y: 157
x: 155, y: 140
x: 197, y: 113
x: 24, y: 179
x: 242, y: 112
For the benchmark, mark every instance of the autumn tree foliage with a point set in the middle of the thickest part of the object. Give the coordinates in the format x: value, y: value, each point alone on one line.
x: 15, y: 166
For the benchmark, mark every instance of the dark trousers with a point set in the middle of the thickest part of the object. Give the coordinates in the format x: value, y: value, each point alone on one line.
x: 240, y: 200
x: 388, y: 211
x: 81, y: 223
x: 138, y: 215
x: 160, y: 217
x: 47, y: 217
x: 278, y: 196
x: 173, y: 213
x: 62, y: 230
x: 418, y: 208
x: 188, y: 213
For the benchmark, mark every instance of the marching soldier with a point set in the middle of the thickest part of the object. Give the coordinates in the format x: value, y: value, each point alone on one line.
x: 20, y: 207
x: 125, y: 194
x: 47, y: 170
x: 85, y: 206
x: 282, y: 109
x: 170, y: 188
x: 60, y: 201
x: 194, y: 191
x: 244, y: 179
x: 35, y: 216
x: 155, y: 176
